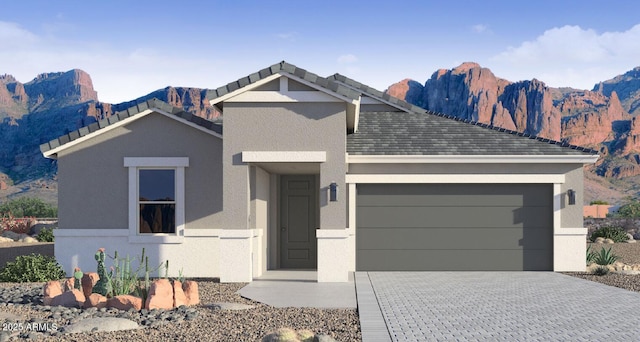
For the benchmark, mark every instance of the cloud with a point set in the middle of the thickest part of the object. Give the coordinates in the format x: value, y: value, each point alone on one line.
x: 572, y: 56
x: 479, y: 28
x: 347, y: 59
x: 290, y: 36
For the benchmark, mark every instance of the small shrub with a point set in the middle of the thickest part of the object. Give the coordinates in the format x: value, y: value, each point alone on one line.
x: 32, y: 268
x: 605, y: 257
x: 616, y: 234
x: 45, y: 235
x: 598, y: 202
x: 591, y: 255
x: 600, y: 271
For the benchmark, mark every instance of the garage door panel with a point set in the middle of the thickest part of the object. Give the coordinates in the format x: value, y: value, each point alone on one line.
x: 454, y: 194
x: 454, y: 260
x: 454, y: 238
x: 454, y: 227
x: 453, y: 217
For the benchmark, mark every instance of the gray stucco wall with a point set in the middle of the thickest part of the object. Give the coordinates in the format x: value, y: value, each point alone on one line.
x: 283, y: 127
x: 571, y: 215
x: 93, y: 182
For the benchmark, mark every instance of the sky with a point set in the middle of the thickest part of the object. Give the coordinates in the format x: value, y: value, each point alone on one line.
x: 131, y: 48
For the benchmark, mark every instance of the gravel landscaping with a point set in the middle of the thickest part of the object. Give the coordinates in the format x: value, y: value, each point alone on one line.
x: 629, y: 253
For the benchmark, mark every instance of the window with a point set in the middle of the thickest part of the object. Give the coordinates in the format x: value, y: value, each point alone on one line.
x: 156, y: 199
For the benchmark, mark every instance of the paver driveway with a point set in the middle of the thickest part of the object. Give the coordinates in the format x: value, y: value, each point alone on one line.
x: 493, y: 306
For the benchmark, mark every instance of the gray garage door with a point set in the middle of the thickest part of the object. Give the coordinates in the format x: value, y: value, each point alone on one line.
x: 454, y: 227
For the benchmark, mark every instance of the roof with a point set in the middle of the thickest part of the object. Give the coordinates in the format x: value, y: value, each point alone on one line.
x: 428, y: 133
x: 142, y: 107
x: 284, y: 67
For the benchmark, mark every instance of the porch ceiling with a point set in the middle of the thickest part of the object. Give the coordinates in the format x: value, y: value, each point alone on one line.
x: 290, y: 168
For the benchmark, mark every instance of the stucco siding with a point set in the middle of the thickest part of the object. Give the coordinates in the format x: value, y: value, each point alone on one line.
x: 93, y: 181
x: 284, y: 127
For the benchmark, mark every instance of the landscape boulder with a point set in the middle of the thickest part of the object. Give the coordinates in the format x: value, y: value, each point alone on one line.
x: 125, y: 302
x: 160, y: 295
x: 89, y: 280
x: 190, y: 289
x: 95, y: 300
x: 71, y: 299
x: 50, y: 290
x: 179, y: 298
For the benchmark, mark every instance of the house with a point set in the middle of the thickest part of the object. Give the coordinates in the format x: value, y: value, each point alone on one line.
x: 307, y: 172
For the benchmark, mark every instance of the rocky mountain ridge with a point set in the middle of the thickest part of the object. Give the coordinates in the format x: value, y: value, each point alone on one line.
x: 602, y: 119
x: 53, y: 104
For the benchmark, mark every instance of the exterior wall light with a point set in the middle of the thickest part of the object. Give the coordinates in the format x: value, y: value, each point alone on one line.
x: 572, y: 196
x: 333, y: 192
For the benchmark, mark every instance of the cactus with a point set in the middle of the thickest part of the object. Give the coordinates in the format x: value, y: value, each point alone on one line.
x: 103, y: 286
x: 77, y: 274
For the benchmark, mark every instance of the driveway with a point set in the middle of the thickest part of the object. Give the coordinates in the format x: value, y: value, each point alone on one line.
x: 493, y: 306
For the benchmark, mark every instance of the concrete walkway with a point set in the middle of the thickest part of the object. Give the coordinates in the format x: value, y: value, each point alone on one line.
x: 300, y: 289
x: 493, y: 306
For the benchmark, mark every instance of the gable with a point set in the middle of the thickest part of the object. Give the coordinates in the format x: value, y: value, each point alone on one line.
x: 53, y: 147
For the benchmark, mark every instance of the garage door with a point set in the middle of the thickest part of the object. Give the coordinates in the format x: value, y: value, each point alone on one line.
x: 454, y: 227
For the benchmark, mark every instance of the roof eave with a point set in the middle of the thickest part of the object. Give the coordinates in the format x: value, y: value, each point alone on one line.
x: 472, y: 159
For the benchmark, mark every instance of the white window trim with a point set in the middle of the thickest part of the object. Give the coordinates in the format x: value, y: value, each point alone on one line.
x: 136, y: 163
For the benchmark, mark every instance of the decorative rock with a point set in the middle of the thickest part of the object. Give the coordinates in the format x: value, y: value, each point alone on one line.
x: 89, y: 279
x: 11, y: 235
x: 68, y: 284
x: 101, y: 324
x: 323, y: 338
x: 306, y: 335
x: 599, y: 239
x: 179, y: 298
x: 608, y: 241
x: 50, y: 290
x: 160, y: 295
x: 282, y: 335
x: 231, y: 306
x: 190, y: 288
x: 95, y: 300
x: 629, y: 236
x: 5, y: 239
x: 28, y: 239
x: 630, y: 241
x: 125, y: 302
x: 71, y: 299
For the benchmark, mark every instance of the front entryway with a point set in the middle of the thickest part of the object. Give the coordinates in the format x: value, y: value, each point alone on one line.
x: 298, y: 212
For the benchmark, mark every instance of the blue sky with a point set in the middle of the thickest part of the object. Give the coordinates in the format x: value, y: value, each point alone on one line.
x: 131, y: 48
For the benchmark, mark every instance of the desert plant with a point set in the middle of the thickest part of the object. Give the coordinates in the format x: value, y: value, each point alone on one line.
x: 103, y: 286
x: 598, y: 202
x: 631, y: 209
x: 16, y: 225
x: 617, y: 234
x: 45, y: 235
x: 605, y: 257
x: 77, y: 278
x: 32, y: 268
x: 591, y: 255
x: 600, y: 271
x: 28, y: 206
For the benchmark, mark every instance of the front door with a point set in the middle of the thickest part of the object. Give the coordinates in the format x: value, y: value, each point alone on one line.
x: 298, y: 243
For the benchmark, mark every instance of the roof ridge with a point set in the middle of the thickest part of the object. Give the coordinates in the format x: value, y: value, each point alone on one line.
x: 289, y: 68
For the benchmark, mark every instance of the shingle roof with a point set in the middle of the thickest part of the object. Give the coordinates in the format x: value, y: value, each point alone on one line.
x: 428, y: 133
x: 286, y: 68
x: 131, y: 111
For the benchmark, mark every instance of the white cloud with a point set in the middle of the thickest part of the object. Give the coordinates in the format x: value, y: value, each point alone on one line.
x: 479, y: 28
x: 571, y: 56
x: 290, y: 36
x: 347, y: 59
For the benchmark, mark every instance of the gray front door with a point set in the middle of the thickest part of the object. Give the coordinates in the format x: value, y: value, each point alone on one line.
x: 298, y: 243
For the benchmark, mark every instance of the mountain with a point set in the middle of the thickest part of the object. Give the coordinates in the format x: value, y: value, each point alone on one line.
x: 602, y: 119
x: 53, y: 104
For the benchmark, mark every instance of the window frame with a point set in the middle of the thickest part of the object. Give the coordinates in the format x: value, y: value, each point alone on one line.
x: 134, y: 164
